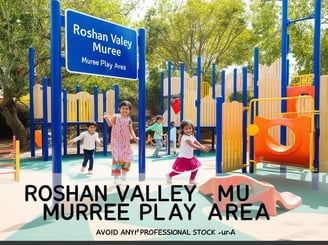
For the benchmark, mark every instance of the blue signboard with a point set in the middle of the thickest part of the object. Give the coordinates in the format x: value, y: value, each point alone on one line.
x: 98, y: 47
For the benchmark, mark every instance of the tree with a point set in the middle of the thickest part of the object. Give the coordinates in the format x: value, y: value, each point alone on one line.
x: 266, y: 26
x: 302, y: 35
x: 17, y: 30
x: 21, y: 28
x: 215, y: 30
x: 210, y: 29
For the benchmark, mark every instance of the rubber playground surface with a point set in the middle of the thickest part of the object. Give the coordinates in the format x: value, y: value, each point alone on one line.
x: 163, y: 220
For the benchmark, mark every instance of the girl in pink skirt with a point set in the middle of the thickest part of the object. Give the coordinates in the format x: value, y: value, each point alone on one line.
x: 186, y: 160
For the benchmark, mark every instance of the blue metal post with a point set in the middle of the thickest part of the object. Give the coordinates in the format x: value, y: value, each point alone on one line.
x: 251, y: 141
x: 31, y: 74
x: 256, y: 73
x: 45, y: 146
x: 213, y: 97
x: 65, y: 121
x: 162, y: 94
x: 316, y: 52
x: 169, y: 81
x: 235, y: 84
x: 142, y: 103
x: 95, y: 99
x: 284, y: 47
x: 245, y: 121
x: 117, y: 98
x: 56, y: 91
x: 105, y: 126
x: 181, y: 91
x: 218, y: 156
x: 213, y: 81
x: 78, y: 90
x: 223, y: 84
x: 198, y: 102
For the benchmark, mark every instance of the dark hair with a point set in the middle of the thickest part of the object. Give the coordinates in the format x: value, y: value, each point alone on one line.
x: 91, y: 123
x: 159, y: 117
x: 125, y: 103
x: 185, y: 123
x: 172, y: 123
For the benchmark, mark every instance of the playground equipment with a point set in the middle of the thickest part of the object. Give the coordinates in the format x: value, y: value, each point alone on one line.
x: 267, y: 147
x: 78, y: 109
x: 12, y: 166
x: 261, y: 192
x: 196, y: 99
x: 287, y: 137
x: 184, y: 103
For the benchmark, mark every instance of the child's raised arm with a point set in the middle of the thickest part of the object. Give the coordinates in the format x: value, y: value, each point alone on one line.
x: 195, y: 144
x: 110, y: 120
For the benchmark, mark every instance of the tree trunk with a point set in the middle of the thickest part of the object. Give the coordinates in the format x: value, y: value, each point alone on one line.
x: 9, y: 111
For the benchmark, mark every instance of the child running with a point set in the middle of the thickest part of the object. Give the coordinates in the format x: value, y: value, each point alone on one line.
x: 89, y: 137
x: 186, y: 160
x: 157, y: 127
x: 122, y: 153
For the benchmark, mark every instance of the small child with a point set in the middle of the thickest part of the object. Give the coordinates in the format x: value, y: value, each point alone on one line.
x: 157, y: 127
x: 122, y: 153
x: 186, y: 160
x: 173, y: 136
x: 89, y: 137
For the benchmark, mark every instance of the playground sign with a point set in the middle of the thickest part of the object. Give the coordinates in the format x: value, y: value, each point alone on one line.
x: 98, y: 47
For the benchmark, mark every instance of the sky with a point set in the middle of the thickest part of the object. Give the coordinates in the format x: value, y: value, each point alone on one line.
x: 141, y: 10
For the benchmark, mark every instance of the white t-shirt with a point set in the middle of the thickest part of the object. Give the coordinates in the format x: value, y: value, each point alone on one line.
x: 88, y: 140
x: 173, y: 134
x: 186, y: 150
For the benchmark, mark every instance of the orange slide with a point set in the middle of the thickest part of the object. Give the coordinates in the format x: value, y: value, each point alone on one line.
x: 266, y: 149
x: 260, y: 192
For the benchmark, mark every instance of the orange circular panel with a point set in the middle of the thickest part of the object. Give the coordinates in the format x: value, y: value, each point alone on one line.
x: 268, y: 149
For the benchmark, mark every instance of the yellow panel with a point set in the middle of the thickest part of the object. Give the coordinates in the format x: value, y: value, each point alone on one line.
x: 37, y: 96
x: 110, y: 102
x: 323, y: 158
x: 232, y: 136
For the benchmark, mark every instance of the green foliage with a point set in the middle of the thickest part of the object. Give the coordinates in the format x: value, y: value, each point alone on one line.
x: 210, y: 29
x: 266, y: 29
x: 25, y: 23
x: 216, y: 30
x: 266, y: 25
x: 239, y: 95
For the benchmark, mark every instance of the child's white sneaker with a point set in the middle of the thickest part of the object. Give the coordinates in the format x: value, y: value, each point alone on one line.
x: 168, y: 179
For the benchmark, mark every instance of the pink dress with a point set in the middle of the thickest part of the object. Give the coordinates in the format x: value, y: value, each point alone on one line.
x: 122, y: 153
